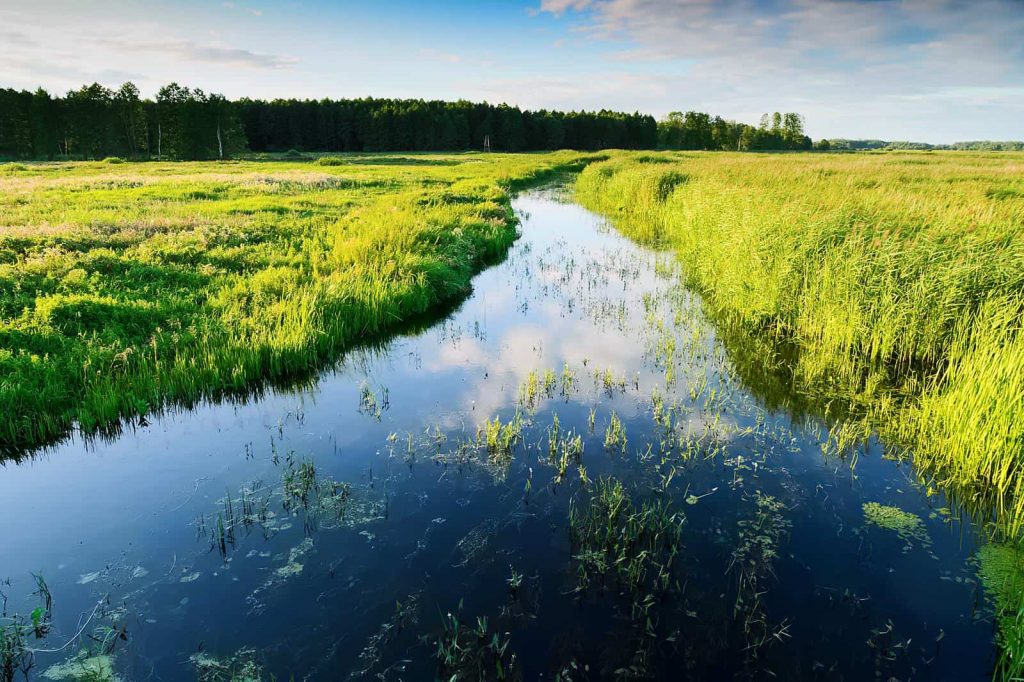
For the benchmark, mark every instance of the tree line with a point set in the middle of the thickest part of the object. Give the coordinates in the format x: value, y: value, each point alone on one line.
x: 94, y: 122
x: 415, y: 125
x: 701, y: 131
x: 181, y: 123
x: 975, y: 145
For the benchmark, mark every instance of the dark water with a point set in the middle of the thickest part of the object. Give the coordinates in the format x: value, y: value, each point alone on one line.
x: 342, y: 531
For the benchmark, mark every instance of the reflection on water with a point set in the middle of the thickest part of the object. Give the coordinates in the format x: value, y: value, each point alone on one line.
x: 565, y: 476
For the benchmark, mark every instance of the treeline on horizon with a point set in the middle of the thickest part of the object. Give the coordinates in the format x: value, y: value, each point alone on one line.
x: 95, y: 122
x: 841, y: 144
x: 180, y: 123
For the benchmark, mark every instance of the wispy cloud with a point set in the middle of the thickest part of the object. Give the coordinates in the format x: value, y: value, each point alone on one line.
x: 853, y: 55
x: 440, y: 55
x: 200, y: 52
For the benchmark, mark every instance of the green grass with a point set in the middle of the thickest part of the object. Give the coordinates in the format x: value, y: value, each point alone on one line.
x: 127, y: 286
x: 887, y: 289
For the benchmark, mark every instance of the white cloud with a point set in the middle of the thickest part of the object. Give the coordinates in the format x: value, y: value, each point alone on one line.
x: 202, y: 52
x: 817, y: 56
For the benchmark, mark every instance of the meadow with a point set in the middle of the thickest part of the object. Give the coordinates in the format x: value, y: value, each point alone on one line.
x: 127, y: 286
x: 886, y: 289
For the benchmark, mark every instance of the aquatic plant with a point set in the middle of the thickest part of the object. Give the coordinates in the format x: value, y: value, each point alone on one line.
x: 612, y: 535
x: 757, y: 548
x: 500, y: 438
x: 471, y: 651
x: 909, y: 527
x: 242, y: 666
x: 615, y: 434
x: 1001, y: 568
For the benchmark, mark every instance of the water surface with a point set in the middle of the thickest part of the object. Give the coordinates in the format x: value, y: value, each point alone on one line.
x: 353, y: 527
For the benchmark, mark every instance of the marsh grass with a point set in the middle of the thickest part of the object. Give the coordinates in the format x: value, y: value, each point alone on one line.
x: 893, y: 288
x: 888, y: 289
x: 1001, y: 568
x: 126, y: 287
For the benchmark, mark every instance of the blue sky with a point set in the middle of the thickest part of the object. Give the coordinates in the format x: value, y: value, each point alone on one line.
x: 933, y: 70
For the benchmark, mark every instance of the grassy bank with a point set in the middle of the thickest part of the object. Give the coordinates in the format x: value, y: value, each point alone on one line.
x: 126, y: 286
x: 891, y: 287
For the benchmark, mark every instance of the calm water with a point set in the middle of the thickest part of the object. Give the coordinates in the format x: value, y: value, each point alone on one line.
x: 342, y: 530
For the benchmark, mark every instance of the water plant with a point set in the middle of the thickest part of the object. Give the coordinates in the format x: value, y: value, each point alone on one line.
x: 612, y: 536
x: 615, y: 434
x: 499, y: 438
x: 909, y: 527
x: 757, y: 548
x: 1001, y: 568
x: 471, y: 651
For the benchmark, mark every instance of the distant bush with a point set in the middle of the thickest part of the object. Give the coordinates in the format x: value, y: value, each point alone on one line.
x: 330, y: 161
x: 294, y: 154
x: 113, y: 160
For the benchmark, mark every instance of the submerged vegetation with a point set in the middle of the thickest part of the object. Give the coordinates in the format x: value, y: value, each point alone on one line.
x: 125, y: 286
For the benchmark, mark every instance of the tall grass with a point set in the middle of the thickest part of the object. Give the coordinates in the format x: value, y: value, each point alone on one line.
x: 125, y: 287
x: 893, y: 283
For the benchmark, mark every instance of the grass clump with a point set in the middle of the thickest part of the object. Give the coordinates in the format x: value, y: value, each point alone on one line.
x: 187, y: 281
x: 472, y: 651
x: 612, y: 536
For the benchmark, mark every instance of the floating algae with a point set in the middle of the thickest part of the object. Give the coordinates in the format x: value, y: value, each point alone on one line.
x: 242, y: 667
x: 294, y: 567
x: 83, y: 667
x: 909, y: 527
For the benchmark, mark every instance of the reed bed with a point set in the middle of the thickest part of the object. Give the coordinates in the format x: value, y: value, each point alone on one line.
x: 892, y: 283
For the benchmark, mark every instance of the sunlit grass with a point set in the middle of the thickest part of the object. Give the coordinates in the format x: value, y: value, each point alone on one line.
x: 888, y: 287
x: 125, y: 286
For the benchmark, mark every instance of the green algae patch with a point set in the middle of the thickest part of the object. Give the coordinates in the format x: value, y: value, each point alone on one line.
x: 241, y: 667
x: 909, y: 527
x: 83, y: 668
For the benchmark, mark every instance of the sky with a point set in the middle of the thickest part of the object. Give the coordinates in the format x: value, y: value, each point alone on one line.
x: 923, y: 70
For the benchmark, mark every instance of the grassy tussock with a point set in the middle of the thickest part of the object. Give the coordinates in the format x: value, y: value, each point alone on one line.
x: 897, y: 278
x: 125, y: 286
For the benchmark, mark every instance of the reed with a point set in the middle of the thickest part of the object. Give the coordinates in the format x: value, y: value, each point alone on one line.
x: 888, y: 289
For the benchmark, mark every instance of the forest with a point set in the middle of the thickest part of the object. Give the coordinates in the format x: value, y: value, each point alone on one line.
x: 181, y: 123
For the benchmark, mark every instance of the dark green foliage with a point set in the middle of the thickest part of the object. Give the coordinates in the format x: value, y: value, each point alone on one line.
x: 699, y: 131
x: 977, y: 145
x: 95, y: 122
x: 418, y: 125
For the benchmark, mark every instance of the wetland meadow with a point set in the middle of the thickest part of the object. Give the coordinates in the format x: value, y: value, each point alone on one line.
x: 560, y: 416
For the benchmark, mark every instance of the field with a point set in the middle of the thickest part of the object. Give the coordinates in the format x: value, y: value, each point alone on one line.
x: 124, y: 286
x: 883, y: 292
